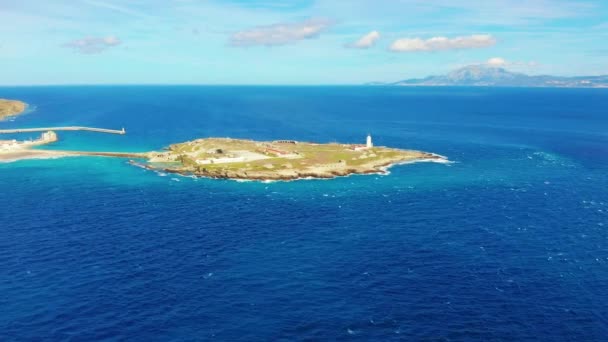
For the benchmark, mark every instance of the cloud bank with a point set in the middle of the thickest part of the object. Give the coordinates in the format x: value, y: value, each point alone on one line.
x: 475, y: 41
x: 366, y: 41
x: 92, y: 45
x: 280, y: 34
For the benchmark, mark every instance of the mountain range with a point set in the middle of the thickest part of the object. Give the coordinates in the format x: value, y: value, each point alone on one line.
x: 492, y: 76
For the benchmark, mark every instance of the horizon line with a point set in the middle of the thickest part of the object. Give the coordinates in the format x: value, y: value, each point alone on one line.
x: 369, y: 84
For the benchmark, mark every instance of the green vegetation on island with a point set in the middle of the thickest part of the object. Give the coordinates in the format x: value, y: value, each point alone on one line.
x: 278, y: 160
x: 11, y: 108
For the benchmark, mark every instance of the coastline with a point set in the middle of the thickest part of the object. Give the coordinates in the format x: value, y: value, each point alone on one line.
x: 227, y: 158
x: 380, y: 169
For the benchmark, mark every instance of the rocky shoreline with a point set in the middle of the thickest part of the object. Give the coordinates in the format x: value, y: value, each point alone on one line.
x: 264, y: 176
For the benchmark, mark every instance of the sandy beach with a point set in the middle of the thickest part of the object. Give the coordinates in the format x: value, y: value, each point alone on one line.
x: 22, y: 154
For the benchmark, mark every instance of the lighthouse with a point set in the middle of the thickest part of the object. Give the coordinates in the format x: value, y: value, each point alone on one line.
x: 368, y: 142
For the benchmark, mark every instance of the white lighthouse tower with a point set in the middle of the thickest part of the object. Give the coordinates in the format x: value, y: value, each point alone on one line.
x: 368, y: 142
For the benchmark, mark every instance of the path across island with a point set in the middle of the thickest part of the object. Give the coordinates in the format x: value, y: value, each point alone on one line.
x: 107, y: 154
x: 67, y: 128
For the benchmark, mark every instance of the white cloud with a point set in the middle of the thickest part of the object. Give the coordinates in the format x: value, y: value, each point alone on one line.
x: 366, y: 41
x: 280, y: 34
x: 499, y: 62
x: 91, y: 45
x: 442, y: 43
x: 496, y: 62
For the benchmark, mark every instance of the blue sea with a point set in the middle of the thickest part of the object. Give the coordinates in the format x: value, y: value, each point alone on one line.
x: 508, y: 242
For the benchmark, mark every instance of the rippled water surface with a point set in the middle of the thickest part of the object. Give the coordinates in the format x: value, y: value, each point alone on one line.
x: 509, y: 242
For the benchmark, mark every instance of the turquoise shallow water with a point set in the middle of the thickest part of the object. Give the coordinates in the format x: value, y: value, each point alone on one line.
x: 509, y: 242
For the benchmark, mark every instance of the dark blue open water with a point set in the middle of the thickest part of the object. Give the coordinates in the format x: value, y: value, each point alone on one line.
x: 508, y: 243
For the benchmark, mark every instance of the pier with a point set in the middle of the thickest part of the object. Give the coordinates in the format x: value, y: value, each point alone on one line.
x: 68, y: 128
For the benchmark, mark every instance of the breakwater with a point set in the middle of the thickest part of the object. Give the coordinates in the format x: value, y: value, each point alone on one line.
x: 66, y: 128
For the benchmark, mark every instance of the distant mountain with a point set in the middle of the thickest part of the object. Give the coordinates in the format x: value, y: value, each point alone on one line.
x: 489, y: 76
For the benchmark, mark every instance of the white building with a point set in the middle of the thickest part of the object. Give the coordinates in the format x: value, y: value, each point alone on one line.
x: 8, y: 144
x: 369, y: 143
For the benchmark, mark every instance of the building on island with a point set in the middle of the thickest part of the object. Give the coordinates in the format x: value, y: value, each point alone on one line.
x: 48, y: 136
x: 368, y: 144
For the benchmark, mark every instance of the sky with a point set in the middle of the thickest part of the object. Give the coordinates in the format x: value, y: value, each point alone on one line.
x: 298, y: 42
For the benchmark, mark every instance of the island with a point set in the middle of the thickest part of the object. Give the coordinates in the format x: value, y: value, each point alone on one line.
x: 241, y: 159
x: 11, y: 108
x: 227, y: 158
